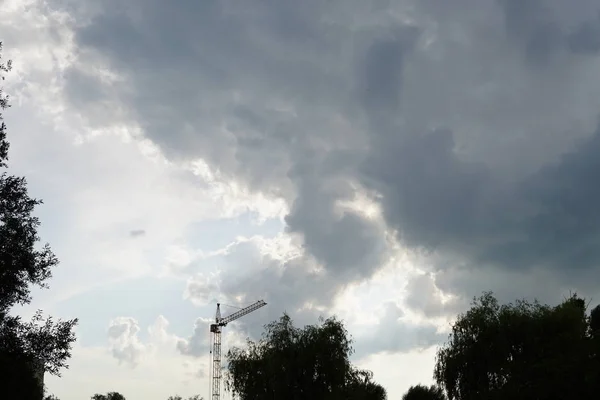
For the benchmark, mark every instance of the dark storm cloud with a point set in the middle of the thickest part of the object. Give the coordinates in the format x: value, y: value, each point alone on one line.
x: 548, y: 219
x: 586, y: 38
x: 479, y: 158
x: 535, y: 25
x: 564, y: 228
x: 195, y: 57
x: 429, y: 194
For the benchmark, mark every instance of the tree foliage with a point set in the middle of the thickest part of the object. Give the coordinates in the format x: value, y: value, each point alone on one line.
x: 595, y: 320
x: 18, y: 378
x: 422, y: 392
x: 292, y: 363
x: 108, y: 396
x: 41, y: 345
x: 519, y: 351
x: 43, y: 340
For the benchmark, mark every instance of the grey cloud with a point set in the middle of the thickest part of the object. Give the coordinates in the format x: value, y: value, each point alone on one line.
x: 536, y: 25
x: 380, y: 77
x: 548, y: 219
x: 564, y: 229
x: 227, y: 50
x: 429, y: 194
x: 124, y: 343
x: 201, y: 289
x: 303, y: 100
x: 346, y: 244
x: 197, y: 345
x: 586, y: 38
x: 286, y: 287
x: 396, y: 335
x: 423, y: 296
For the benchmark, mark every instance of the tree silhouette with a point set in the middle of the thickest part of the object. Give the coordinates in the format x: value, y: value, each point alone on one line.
x: 421, y: 392
x: 595, y: 320
x: 292, y: 363
x: 518, y: 351
x: 42, y: 345
x: 108, y: 396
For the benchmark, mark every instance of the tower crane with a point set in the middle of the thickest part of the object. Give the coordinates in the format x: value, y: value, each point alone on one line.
x: 215, y: 329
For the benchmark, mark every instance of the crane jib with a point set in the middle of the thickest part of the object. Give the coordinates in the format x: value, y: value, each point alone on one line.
x: 240, y: 313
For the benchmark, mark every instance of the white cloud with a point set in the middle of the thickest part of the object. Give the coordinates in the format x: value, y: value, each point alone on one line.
x: 123, y: 340
x: 160, y: 372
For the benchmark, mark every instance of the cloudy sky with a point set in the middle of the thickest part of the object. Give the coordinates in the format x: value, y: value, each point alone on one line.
x: 379, y: 160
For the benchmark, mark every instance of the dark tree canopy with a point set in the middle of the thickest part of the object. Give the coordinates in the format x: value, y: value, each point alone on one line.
x: 421, y: 392
x: 17, y: 369
x: 41, y: 345
x: 108, y: 396
x: 523, y: 350
x: 293, y: 363
x: 595, y: 320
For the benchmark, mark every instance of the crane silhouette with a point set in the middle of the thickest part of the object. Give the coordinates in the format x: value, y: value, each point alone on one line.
x: 216, y: 330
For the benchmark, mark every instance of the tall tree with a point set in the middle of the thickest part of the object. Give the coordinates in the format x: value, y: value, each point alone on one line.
x: 42, y: 345
x: 292, y: 363
x: 519, y: 351
x: 594, y: 370
x: 422, y: 392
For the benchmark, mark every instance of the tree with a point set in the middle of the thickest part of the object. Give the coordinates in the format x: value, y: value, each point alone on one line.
x: 292, y: 363
x: 594, y: 371
x: 108, y: 396
x: 360, y: 386
x: 40, y: 345
x: 177, y: 397
x: 422, y: 392
x: 595, y: 320
x: 18, y: 378
x: 517, y: 351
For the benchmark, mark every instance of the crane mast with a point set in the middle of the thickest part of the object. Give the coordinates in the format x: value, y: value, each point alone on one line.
x: 216, y: 330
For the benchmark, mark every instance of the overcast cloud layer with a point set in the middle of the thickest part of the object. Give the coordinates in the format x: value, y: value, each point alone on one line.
x: 474, y: 125
x: 456, y: 142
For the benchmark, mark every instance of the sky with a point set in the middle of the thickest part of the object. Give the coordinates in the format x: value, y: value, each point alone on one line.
x: 383, y: 161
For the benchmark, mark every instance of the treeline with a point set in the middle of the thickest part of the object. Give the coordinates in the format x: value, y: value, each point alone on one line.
x: 523, y: 350
x: 119, y: 396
